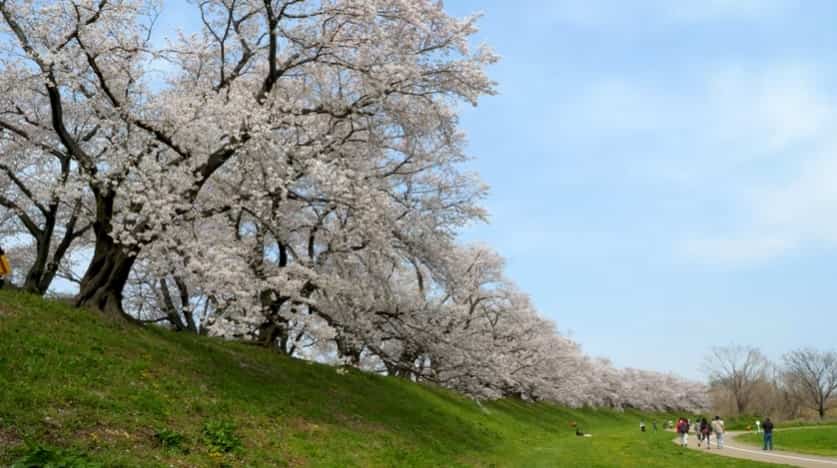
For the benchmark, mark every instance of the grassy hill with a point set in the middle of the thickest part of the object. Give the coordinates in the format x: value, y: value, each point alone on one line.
x: 80, y: 390
x: 816, y: 440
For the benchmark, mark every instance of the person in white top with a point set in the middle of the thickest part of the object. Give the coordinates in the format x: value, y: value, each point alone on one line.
x: 758, y: 426
x: 718, y: 429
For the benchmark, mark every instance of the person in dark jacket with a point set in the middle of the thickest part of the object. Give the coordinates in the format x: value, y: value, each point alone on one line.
x: 768, y: 434
x: 705, y: 432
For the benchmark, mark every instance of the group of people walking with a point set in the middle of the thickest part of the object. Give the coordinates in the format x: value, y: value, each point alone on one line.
x: 703, y: 429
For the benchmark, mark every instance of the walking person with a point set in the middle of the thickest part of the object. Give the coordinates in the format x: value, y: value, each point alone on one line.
x: 705, y: 433
x: 5, y: 268
x: 758, y: 426
x: 718, y: 428
x: 768, y: 434
x: 654, y: 425
x: 698, y: 434
x: 683, y: 430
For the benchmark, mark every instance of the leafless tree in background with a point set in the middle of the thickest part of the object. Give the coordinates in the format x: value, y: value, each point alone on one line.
x: 813, y: 376
x: 736, y: 369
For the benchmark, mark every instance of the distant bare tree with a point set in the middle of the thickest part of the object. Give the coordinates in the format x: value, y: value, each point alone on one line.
x: 736, y: 369
x: 813, y: 376
x: 784, y: 399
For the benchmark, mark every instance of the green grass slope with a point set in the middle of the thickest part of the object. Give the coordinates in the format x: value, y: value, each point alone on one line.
x: 78, y: 390
x: 814, y: 440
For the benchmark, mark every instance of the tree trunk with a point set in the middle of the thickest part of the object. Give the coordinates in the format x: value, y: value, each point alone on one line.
x: 43, y: 271
x: 35, y: 275
x: 740, y: 404
x: 407, y: 363
x: 43, y: 243
x: 269, y: 332
x: 274, y: 327
x: 347, y: 350
x: 186, y: 305
x: 169, y: 308
x: 102, y: 285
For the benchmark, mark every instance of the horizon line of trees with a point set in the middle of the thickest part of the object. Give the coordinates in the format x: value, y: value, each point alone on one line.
x: 744, y: 381
x: 293, y: 179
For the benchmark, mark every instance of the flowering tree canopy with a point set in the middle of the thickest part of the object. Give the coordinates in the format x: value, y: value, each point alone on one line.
x: 295, y: 180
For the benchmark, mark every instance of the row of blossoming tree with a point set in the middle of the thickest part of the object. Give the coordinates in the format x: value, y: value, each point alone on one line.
x: 291, y: 175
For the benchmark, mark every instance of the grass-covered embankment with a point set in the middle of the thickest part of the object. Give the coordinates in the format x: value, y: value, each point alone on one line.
x: 77, y: 387
x: 816, y: 440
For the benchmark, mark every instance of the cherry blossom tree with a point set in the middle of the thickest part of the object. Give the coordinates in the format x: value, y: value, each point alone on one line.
x: 295, y: 181
x: 44, y: 197
x: 310, y: 87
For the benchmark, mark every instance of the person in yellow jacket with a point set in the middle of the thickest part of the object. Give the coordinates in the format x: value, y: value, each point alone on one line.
x: 5, y: 268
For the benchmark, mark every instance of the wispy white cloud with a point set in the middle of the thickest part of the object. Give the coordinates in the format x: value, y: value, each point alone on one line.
x: 763, y: 139
x: 594, y: 13
x: 621, y: 107
x: 703, y: 10
x: 771, y: 108
x: 730, y: 251
x: 787, y: 115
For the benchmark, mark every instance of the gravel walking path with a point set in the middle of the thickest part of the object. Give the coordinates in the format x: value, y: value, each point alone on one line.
x: 735, y: 449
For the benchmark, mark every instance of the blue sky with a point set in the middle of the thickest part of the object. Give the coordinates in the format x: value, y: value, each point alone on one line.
x: 662, y: 170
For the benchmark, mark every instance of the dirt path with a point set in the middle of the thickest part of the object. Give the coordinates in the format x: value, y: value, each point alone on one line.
x: 733, y: 448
